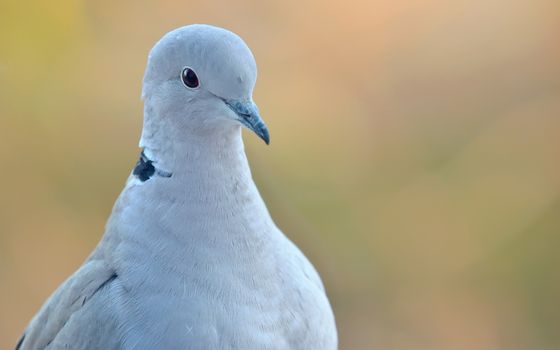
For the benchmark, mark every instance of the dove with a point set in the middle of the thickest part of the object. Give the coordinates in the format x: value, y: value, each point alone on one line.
x: 190, y: 257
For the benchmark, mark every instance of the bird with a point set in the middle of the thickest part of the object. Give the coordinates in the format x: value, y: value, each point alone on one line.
x: 191, y: 257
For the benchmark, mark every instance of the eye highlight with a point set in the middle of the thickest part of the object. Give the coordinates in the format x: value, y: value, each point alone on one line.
x: 189, y: 78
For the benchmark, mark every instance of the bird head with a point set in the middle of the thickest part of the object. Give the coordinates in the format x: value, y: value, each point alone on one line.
x: 200, y: 79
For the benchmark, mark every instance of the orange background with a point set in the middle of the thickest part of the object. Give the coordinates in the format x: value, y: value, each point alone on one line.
x: 415, y: 154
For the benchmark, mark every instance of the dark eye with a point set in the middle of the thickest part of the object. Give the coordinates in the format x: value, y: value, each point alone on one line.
x: 189, y: 78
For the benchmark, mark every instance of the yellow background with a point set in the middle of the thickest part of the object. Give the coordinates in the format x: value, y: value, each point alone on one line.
x: 415, y: 154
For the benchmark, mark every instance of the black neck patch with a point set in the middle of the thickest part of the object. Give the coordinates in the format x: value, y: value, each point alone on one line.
x: 145, y: 169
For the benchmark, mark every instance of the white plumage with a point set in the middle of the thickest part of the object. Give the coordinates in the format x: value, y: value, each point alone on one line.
x: 191, y: 258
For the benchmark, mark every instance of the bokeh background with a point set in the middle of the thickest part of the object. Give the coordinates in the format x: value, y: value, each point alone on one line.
x: 415, y: 154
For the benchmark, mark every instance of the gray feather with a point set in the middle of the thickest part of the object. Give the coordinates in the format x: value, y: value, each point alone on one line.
x: 191, y: 258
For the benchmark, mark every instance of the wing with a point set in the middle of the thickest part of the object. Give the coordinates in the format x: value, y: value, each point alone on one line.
x: 78, y: 304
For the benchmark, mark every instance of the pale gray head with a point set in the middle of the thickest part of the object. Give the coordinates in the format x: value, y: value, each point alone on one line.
x: 199, y: 81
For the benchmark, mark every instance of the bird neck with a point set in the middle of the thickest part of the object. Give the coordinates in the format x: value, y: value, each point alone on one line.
x: 220, y: 153
x: 177, y: 143
x: 203, y: 171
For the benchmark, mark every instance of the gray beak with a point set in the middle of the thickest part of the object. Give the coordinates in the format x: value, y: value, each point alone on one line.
x: 248, y: 115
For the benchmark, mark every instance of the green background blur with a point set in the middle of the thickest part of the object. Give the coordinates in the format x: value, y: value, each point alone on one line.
x: 415, y: 154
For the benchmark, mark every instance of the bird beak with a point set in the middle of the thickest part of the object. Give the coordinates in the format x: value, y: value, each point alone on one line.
x: 248, y: 115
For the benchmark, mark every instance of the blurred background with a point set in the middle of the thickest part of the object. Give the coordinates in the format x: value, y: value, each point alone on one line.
x: 415, y: 154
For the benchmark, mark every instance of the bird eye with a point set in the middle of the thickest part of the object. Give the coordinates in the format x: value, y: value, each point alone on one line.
x: 189, y: 78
